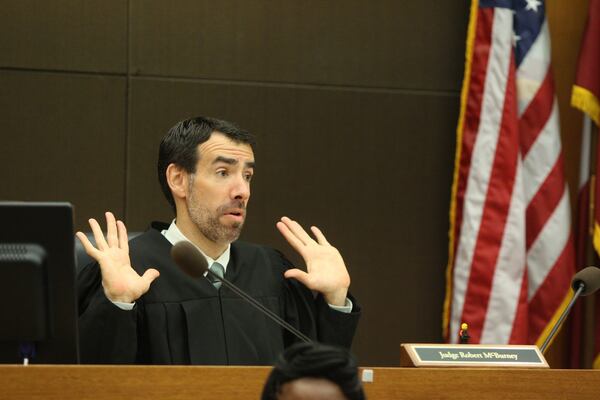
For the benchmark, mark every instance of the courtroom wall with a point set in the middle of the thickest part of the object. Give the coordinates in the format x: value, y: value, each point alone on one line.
x: 354, y: 104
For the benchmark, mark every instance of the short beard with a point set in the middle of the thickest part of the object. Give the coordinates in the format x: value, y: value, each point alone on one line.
x: 209, y: 224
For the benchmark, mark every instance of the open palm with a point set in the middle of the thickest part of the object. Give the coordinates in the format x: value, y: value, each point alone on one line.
x: 119, y: 280
x: 325, y: 268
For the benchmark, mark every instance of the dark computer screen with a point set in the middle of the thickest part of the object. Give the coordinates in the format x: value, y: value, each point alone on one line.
x: 38, y: 306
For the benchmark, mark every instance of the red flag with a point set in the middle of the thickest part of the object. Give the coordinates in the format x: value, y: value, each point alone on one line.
x: 511, y: 253
x: 586, y: 91
x: 585, y: 96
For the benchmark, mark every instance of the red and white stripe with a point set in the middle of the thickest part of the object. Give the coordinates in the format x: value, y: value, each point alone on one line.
x: 514, y: 254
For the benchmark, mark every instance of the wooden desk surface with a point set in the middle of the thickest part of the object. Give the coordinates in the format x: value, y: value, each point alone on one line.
x: 182, y: 382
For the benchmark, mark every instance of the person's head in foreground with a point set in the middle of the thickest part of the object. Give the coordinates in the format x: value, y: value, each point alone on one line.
x: 314, y: 371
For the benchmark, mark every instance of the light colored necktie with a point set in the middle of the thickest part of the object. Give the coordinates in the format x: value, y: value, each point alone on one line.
x: 218, y: 270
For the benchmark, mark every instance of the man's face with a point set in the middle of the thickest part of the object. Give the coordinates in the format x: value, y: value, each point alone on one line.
x: 219, y: 191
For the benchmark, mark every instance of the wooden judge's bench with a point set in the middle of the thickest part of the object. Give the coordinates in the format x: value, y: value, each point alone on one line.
x: 67, y: 382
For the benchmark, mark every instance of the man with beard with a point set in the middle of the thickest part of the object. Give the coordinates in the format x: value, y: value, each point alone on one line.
x: 137, y: 306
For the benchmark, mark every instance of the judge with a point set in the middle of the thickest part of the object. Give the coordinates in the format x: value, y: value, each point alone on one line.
x: 137, y: 306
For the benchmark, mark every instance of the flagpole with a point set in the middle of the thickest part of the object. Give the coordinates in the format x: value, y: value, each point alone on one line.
x: 588, y: 329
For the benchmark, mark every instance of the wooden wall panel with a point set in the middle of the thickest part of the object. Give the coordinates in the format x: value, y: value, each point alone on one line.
x: 354, y: 104
x: 71, y: 35
x: 384, y: 43
x: 371, y: 168
x: 63, y: 139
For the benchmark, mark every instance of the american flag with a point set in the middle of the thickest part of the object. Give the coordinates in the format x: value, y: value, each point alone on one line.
x: 511, y: 253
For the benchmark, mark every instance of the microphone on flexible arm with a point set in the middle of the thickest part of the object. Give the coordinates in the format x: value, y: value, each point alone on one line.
x: 584, y: 283
x: 193, y: 263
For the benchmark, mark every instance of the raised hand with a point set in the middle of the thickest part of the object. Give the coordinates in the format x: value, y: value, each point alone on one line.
x: 326, y: 271
x: 119, y: 280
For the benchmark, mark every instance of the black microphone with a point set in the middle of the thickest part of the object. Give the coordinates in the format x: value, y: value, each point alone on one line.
x: 584, y: 283
x: 189, y: 259
x: 193, y: 263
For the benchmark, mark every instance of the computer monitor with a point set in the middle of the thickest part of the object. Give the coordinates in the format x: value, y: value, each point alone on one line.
x: 38, y: 302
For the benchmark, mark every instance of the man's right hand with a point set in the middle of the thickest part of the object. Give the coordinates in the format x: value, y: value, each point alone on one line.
x: 120, y: 281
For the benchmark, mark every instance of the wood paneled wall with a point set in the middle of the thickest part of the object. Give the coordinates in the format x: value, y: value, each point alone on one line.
x: 354, y: 105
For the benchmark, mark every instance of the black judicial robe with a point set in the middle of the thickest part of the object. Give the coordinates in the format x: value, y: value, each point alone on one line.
x: 182, y: 320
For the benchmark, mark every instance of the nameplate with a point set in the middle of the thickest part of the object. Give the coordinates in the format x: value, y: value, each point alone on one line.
x: 471, y: 355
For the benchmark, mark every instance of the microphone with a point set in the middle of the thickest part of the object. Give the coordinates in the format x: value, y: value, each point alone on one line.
x: 589, y: 278
x: 584, y: 283
x: 189, y: 259
x: 193, y: 263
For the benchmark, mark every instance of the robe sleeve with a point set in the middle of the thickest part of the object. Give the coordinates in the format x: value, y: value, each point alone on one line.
x: 107, y: 334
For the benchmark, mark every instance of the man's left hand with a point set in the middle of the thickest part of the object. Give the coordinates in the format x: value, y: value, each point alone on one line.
x: 326, y: 271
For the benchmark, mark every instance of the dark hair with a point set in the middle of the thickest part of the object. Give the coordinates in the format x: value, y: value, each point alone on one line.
x: 315, y: 360
x: 180, y: 145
